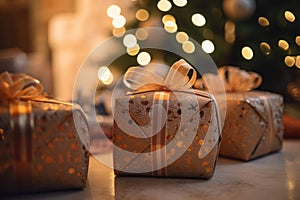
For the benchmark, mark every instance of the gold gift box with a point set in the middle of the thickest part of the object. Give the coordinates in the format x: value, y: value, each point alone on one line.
x: 197, y: 158
x: 253, y: 125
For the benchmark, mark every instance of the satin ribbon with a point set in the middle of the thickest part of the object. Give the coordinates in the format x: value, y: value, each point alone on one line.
x: 141, y: 79
x: 233, y: 78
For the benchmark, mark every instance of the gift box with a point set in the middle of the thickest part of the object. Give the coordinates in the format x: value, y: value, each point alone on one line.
x: 40, y: 145
x: 162, y: 131
x: 253, y: 126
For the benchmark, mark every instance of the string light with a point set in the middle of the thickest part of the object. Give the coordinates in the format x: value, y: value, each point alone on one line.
x: 141, y: 34
x: 119, y: 21
x: 164, y: 5
x: 247, y: 53
x: 182, y: 37
x: 113, y: 11
x: 188, y: 47
x: 284, y: 45
x: 265, y: 48
x: 208, y: 46
x: 198, y: 19
x: 289, y: 61
x: 263, y: 21
x: 129, y: 40
x: 289, y: 16
x: 142, y: 15
x: 180, y: 3
x: 144, y: 58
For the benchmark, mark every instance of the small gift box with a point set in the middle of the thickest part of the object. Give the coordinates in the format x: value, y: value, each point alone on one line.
x: 253, y: 126
x: 164, y: 128
x: 40, y: 147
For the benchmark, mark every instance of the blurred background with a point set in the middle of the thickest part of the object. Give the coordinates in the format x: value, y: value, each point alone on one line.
x: 50, y: 39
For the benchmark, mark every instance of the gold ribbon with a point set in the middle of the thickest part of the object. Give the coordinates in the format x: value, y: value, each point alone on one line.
x: 141, y: 79
x: 19, y: 86
x: 233, y: 78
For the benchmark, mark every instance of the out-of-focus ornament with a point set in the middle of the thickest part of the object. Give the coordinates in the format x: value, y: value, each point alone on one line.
x: 239, y: 9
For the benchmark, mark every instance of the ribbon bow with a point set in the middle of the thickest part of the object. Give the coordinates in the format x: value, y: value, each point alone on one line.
x: 19, y: 86
x: 141, y: 79
x: 234, y: 79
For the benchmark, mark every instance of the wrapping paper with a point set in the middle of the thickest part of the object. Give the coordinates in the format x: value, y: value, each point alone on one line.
x: 253, y: 125
x: 40, y: 148
x: 133, y: 115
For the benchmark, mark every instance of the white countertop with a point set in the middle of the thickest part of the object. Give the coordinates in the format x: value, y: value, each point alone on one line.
x: 276, y: 176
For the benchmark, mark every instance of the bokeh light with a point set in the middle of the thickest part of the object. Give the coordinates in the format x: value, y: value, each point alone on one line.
x: 289, y: 61
x: 119, y: 21
x: 247, y: 53
x: 133, y: 50
x: 119, y: 32
x: 142, y: 15
x: 208, y: 46
x: 144, y: 58
x: 297, y: 40
x: 198, y: 19
x: 104, y: 74
x: 263, y: 21
x: 141, y: 34
x: 167, y: 18
x: 164, y: 5
x: 182, y: 37
x: 284, y: 45
x: 180, y: 3
x: 129, y: 40
x: 170, y: 27
x: 289, y: 16
x: 265, y: 48
x: 113, y: 11
x: 188, y: 47
x: 298, y: 62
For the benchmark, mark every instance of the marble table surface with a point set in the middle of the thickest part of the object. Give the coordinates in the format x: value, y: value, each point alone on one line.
x: 276, y: 176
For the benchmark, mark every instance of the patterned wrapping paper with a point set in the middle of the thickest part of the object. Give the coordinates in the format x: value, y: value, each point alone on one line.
x: 198, y: 157
x: 40, y: 149
x: 253, y: 125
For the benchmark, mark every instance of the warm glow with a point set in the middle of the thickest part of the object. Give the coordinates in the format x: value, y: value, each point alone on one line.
x: 113, y: 11
x: 263, y: 21
x: 265, y: 48
x: 283, y: 44
x: 188, y: 47
x: 119, y: 21
x: 141, y: 34
x: 103, y: 73
x: 133, y: 50
x: 119, y: 32
x: 167, y: 18
x: 142, y: 15
x: 247, y: 53
x: 143, y: 58
x: 297, y: 62
x: 109, y: 80
x: 170, y: 27
x: 198, y: 19
x: 289, y: 16
x: 208, y: 46
x: 229, y: 27
x: 164, y: 5
x: 129, y: 40
x: 182, y: 37
x: 297, y: 40
x: 289, y: 61
x: 180, y: 3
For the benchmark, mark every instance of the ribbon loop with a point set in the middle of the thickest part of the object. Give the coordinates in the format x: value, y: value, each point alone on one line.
x: 141, y: 79
x: 19, y: 86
